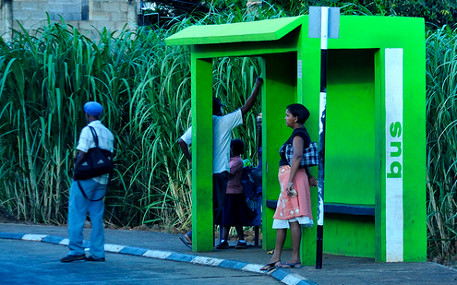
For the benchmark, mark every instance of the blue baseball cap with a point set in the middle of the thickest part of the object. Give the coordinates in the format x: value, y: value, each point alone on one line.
x: 93, y: 108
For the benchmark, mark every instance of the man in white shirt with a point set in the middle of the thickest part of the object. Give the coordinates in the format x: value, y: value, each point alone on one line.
x: 222, y: 136
x: 87, y: 195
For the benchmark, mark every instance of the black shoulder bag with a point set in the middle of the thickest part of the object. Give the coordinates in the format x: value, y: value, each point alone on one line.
x: 97, y: 162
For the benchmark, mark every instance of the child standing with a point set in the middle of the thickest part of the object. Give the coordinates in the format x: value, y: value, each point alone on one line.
x: 235, y: 212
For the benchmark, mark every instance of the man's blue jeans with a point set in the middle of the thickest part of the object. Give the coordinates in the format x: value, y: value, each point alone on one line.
x: 77, y: 213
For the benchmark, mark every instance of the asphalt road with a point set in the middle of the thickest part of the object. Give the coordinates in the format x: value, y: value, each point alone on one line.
x: 23, y: 262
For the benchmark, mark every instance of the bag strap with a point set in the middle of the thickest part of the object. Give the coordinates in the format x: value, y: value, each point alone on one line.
x: 94, y: 134
x: 84, y: 193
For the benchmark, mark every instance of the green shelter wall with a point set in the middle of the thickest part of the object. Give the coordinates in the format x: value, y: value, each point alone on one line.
x: 350, y: 160
x: 350, y: 235
x: 280, y: 91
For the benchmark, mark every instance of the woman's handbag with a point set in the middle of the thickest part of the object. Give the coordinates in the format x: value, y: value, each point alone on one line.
x: 310, y: 155
x: 97, y: 162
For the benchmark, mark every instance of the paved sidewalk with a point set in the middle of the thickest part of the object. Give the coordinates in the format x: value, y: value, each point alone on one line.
x: 165, y: 246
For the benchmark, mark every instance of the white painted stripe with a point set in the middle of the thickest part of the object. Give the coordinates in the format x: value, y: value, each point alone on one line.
x: 65, y: 241
x: 292, y: 279
x: 157, y: 254
x: 394, y: 154
x: 113, y: 247
x: 253, y: 268
x: 322, y: 105
x: 320, y: 196
x: 206, y: 260
x: 324, y: 27
x: 33, y: 237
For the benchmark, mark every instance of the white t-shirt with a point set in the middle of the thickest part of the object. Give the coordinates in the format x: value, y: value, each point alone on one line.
x: 222, y: 136
x: 105, y: 141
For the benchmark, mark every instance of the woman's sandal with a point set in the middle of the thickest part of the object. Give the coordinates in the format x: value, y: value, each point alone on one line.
x: 270, y: 265
x: 185, y: 239
x: 290, y: 265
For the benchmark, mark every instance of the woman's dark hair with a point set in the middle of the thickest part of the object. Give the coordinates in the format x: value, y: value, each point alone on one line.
x: 237, y: 146
x: 299, y: 111
x: 217, y: 106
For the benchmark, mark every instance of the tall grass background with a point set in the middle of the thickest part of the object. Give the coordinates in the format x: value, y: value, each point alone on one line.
x: 47, y: 75
x: 442, y: 142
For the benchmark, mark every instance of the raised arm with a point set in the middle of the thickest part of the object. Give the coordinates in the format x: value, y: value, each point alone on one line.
x: 251, y: 100
x: 185, y: 149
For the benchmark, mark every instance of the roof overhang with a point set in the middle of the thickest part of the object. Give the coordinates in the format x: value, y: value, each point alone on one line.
x: 257, y: 31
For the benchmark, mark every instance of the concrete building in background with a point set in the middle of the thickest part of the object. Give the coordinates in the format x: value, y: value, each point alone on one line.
x: 87, y: 16
x: 6, y: 19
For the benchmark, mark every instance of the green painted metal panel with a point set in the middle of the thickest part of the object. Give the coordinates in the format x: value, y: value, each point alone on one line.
x: 202, y: 168
x: 376, y: 32
x: 287, y: 44
x: 415, y: 241
x: 265, y: 30
x: 350, y: 132
x: 280, y: 91
x: 346, y: 235
x: 350, y: 150
x: 380, y: 195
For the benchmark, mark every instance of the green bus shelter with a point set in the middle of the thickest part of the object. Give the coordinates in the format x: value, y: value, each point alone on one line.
x: 375, y: 169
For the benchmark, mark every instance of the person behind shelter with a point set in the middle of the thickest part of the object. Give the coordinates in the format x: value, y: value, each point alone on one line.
x: 236, y: 211
x: 222, y: 130
x: 293, y: 209
x: 257, y: 171
x: 94, y: 189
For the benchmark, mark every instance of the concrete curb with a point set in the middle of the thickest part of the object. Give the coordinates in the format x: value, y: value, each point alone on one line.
x: 279, y: 274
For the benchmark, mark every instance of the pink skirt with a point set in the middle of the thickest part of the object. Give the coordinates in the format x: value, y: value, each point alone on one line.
x: 293, y: 207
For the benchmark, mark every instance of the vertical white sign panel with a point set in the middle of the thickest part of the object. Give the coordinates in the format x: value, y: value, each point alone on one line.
x: 394, y: 154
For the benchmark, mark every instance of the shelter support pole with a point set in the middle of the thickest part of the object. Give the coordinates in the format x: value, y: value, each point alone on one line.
x: 202, y: 146
x: 322, y: 107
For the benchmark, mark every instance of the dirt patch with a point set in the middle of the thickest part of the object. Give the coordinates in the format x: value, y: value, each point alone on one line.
x: 6, y: 217
x: 249, y: 234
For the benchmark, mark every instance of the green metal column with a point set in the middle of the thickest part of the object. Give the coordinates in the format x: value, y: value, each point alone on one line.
x: 380, y: 195
x: 415, y: 171
x: 308, y: 83
x: 202, y: 145
x: 280, y: 91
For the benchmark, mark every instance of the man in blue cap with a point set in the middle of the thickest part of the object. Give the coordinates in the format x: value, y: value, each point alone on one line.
x: 86, y: 195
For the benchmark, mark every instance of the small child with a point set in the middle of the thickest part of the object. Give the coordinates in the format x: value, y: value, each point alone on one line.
x: 236, y: 211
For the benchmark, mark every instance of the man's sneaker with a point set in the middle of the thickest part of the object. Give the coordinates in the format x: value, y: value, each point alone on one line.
x: 223, y: 245
x: 241, y: 245
x: 73, y: 257
x: 91, y: 258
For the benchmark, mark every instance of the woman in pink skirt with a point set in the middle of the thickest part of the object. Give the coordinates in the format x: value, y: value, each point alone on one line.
x: 293, y: 210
